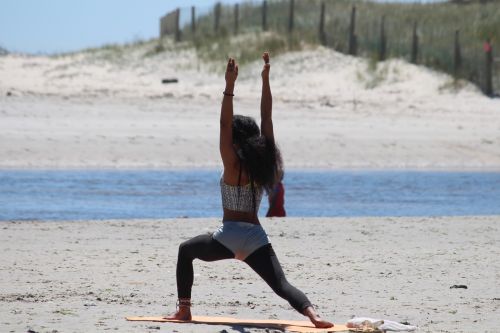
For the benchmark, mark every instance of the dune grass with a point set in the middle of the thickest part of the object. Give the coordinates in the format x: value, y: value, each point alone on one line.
x: 436, y: 26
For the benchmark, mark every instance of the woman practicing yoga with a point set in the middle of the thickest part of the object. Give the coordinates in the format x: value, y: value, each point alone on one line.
x: 252, y: 164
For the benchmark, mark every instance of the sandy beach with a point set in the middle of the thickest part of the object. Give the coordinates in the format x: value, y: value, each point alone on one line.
x: 108, y: 109
x: 87, y: 276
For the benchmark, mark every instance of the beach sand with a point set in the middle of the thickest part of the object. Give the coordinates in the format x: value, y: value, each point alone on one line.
x: 108, y: 109
x: 86, y: 276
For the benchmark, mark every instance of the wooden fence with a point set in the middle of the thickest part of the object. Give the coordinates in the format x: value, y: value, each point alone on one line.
x: 170, y: 25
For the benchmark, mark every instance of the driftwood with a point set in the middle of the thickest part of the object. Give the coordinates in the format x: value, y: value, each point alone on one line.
x: 169, y: 80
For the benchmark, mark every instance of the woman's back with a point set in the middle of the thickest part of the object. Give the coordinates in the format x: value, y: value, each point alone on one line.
x: 240, y: 198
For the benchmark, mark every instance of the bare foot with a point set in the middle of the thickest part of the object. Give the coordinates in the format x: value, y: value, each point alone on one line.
x: 320, y: 323
x: 183, y: 313
x: 315, y: 318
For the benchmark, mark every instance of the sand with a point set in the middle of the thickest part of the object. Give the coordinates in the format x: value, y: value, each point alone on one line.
x: 87, y: 276
x: 108, y: 109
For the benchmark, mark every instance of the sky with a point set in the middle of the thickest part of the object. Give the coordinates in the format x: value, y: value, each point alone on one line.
x: 55, y: 26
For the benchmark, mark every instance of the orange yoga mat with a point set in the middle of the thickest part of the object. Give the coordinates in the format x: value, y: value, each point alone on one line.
x: 288, y: 325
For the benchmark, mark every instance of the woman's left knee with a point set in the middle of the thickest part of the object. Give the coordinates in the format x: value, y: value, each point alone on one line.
x: 184, y: 249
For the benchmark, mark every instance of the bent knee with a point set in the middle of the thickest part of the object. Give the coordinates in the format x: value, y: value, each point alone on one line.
x: 184, y: 249
x: 282, y: 289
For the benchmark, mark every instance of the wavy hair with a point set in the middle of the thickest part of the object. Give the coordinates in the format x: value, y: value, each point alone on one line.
x: 259, y: 156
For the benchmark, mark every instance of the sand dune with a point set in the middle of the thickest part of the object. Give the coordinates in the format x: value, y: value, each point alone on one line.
x: 108, y: 108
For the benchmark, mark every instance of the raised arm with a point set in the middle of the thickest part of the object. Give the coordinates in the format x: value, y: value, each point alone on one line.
x: 266, y: 102
x: 229, y: 157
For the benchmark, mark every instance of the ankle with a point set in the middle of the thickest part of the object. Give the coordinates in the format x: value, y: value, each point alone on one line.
x: 311, y: 313
x: 184, y: 303
x: 307, y: 311
x: 183, y: 310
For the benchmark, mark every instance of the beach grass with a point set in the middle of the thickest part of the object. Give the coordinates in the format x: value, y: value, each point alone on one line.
x: 436, y: 24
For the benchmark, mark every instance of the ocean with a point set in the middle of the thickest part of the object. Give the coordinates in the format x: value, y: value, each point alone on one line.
x: 137, y: 194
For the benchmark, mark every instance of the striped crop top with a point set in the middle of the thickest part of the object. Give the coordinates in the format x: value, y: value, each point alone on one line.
x: 240, y: 198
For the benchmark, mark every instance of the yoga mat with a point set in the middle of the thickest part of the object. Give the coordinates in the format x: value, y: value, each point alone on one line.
x: 288, y: 325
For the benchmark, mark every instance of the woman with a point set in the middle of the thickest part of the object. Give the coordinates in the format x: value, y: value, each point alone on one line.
x: 252, y: 163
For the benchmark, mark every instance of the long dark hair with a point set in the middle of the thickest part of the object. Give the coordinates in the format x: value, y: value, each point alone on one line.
x: 259, y: 156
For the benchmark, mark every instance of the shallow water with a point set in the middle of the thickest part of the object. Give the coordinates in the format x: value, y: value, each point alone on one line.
x: 112, y: 194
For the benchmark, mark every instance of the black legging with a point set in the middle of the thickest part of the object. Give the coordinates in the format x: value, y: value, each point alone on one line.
x: 263, y: 261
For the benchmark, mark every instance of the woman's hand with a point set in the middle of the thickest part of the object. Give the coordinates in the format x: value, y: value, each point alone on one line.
x: 231, y: 72
x: 267, y: 66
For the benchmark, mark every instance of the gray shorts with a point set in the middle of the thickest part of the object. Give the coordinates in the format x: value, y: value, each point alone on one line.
x: 241, y: 238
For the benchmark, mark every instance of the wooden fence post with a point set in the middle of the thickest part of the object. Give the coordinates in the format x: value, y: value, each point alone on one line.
x: 162, y: 27
x: 322, y: 35
x: 383, y: 40
x: 217, y: 17
x: 414, y: 44
x: 236, y: 18
x: 193, y: 20
x: 353, y: 47
x: 488, y: 50
x: 457, y: 59
x: 177, y: 23
x: 290, y: 17
x: 169, y: 25
x: 264, y: 15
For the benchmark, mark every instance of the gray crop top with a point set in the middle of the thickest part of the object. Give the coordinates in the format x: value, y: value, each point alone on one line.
x: 239, y: 198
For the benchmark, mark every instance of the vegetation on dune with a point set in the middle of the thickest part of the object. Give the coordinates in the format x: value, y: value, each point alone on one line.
x: 250, y: 40
x: 436, y: 25
x: 246, y: 48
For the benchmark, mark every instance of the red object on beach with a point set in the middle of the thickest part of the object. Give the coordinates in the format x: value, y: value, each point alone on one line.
x: 487, y: 47
x: 277, y: 202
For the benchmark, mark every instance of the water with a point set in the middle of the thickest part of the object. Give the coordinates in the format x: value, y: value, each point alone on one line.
x: 80, y: 195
